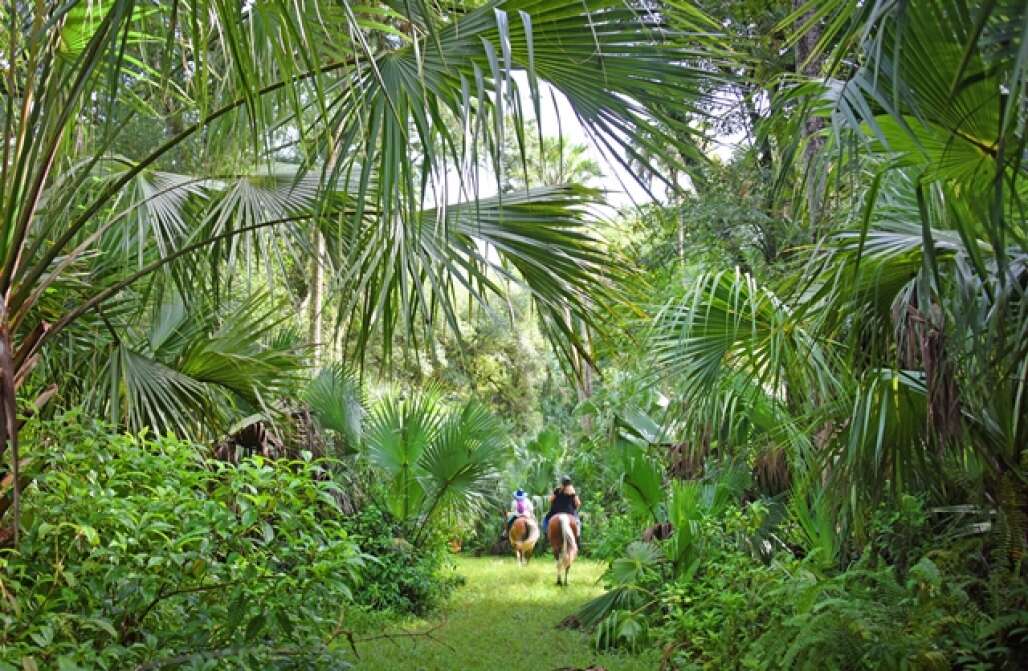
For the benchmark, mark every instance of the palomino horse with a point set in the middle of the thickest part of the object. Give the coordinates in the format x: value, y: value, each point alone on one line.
x: 523, y: 535
x: 562, y: 529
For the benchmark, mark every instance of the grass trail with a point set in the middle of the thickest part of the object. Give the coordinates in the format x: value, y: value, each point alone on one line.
x: 503, y: 618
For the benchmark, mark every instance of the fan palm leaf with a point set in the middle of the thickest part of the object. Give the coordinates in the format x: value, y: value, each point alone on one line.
x: 337, y: 400
x: 397, y: 435
x: 727, y: 322
x: 461, y: 466
x: 434, y: 460
x: 642, y: 483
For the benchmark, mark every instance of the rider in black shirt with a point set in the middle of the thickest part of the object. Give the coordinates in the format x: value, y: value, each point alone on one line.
x: 564, y: 499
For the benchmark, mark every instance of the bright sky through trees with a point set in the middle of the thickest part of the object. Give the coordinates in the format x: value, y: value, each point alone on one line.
x: 559, y: 119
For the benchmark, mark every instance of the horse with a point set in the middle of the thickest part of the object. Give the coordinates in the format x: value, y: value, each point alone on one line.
x: 523, y: 535
x: 561, y: 531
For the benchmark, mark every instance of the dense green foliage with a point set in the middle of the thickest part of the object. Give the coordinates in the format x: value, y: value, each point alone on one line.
x: 257, y: 240
x: 751, y: 601
x: 140, y: 550
x: 400, y: 578
x: 844, y: 332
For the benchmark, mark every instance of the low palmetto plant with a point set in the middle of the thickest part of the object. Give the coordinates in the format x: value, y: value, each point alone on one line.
x: 688, y: 509
x: 338, y: 402
x: 433, y: 461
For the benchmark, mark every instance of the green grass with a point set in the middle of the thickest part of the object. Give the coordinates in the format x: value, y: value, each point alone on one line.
x: 504, y: 617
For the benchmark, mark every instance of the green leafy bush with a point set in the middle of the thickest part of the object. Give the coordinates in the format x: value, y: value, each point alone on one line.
x: 136, y: 550
x: 865, y: 618
x: 869, y: 617
x: 912, y: 600
x: 607, y: 536
x: 400, y: 577
x: 710, y: 620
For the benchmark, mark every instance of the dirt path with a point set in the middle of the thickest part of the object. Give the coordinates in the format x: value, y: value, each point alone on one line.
x: 503, y: 618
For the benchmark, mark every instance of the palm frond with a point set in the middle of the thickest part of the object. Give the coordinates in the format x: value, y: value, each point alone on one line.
x: 398, y: 434
x: 886, y: 439
x: 155, y: 395
x: 642, y: 484
x: 337, y: 400
x: 540, y: 239
x: 462, y: 465
x: 727, y: 322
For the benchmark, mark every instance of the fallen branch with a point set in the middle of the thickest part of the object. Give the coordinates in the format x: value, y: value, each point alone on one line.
x: 401, y: 635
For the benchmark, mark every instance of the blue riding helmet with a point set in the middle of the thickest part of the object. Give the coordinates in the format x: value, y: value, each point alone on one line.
x: 520, y: 495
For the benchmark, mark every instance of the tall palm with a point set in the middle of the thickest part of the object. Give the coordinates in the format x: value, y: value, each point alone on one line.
x: 937, y: 99
x: 901, y: 352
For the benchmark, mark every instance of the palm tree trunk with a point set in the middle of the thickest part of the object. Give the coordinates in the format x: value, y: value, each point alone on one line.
x: 585, y: 383
x: 812, y: 126
x: 679, y: 223
x: 314, y: 299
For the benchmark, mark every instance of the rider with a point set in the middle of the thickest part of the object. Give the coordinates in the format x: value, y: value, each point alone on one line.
x: 520, y: 506
x: 564, y: 499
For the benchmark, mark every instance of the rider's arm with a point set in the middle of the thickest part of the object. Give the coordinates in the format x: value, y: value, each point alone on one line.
x: 578, y: 502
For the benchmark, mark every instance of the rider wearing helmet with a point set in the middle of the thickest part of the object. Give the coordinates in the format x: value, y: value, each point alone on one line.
x: 564, y: 499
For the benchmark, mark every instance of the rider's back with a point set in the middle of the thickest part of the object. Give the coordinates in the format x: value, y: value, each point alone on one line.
x: 563, y: 501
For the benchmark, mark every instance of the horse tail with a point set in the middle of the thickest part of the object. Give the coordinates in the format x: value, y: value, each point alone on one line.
x: 570, y: 549
x: 533, y: 532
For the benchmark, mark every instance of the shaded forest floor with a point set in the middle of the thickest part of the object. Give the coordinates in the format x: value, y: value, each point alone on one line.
x: 504, y: 617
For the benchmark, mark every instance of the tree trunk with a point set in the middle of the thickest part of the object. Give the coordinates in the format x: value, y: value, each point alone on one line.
x: 585, y: 384
x: 815, y: 177
x: 679, y: 223
x: 680, y: 239
x: 581, y: 370
x: 314, y: 296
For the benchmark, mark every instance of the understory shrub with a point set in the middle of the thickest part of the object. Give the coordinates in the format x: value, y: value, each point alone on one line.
x: 400, y: 577
x: 740, y: 614
x: 608, y: 535
x: 138, y: 553
x: 710, y: 619
x: 869, y: 618
x: 905, y: 603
